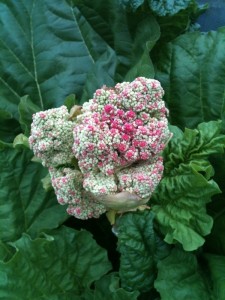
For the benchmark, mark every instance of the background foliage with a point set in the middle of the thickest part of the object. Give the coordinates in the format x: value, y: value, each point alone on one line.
x: 55, y: 52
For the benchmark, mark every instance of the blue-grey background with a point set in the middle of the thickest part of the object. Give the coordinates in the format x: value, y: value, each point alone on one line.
x: 214, y: 17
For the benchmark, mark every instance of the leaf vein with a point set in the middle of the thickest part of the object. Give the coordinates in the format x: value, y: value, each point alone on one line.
x: 9, y: 87
x: 75, y: 20
x: 17, y: 58
x: 34, y: 59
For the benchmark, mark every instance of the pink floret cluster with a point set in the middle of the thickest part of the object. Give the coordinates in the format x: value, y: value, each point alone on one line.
x: 141, y: 179
x: 51, y: 136
x: 120, y: 126
x: 68, y: 186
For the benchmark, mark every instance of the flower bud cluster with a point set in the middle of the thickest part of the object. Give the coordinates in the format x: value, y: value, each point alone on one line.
x: 117, y: 140
x: 120, y: 126
x: 100, y: 184
x: 141, y: 179
x: 52, y: 136
x: 68, y: 186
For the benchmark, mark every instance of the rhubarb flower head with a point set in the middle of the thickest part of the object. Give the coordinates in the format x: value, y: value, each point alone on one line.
x: 116, y: 138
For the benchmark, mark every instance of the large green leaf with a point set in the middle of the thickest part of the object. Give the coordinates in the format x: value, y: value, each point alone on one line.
x: 147, y: 33
x: 140, y: 247
x: 24, y: 205
x: 179, y: 278
x: 130, y: 36
x: 216, y: 265
x: 60, y: 264
x: 181, y: 197
x: 125, y: 33
x: 50, y: 49
x: 191, y: 71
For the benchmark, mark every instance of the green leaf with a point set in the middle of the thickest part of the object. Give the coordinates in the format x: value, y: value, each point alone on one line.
x: 141, y: 248
x: 181, y: 197
x: 191, y: 71
x: 179, y: 278
x: 47, y: 183
x: 194, y: 145
x: 24, y: 204
x: 6, y: 251
x: 172, y: 26
x: 102, y: 73
x: 70, y: 101
x: 21, y: 141
x: 50, y: 68
x: 108, y: 287
x: 216, y: 266
x: 147, y: 34
x: 130, y: 37
x: 62, y: 263
x: 26, y: 109
x: 131, y: 4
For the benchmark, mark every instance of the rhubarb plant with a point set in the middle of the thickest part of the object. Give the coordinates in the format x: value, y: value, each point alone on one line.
x: 111, y: 151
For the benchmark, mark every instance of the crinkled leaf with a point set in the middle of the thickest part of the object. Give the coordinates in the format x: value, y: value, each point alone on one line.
x: 24, y: 205
x: 216, y: 264
x: 179, y: 278
x: 182, y: 213
x: 108, y: 287
x: 62, y: 263
x: 194, y: 145
x: 140, y: 247
x: 169, y: 8
x: 181, y: 197
x: 191, y: 71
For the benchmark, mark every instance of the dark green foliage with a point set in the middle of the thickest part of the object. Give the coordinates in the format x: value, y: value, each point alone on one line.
x: 59, y: 52
x: 141, y: 248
